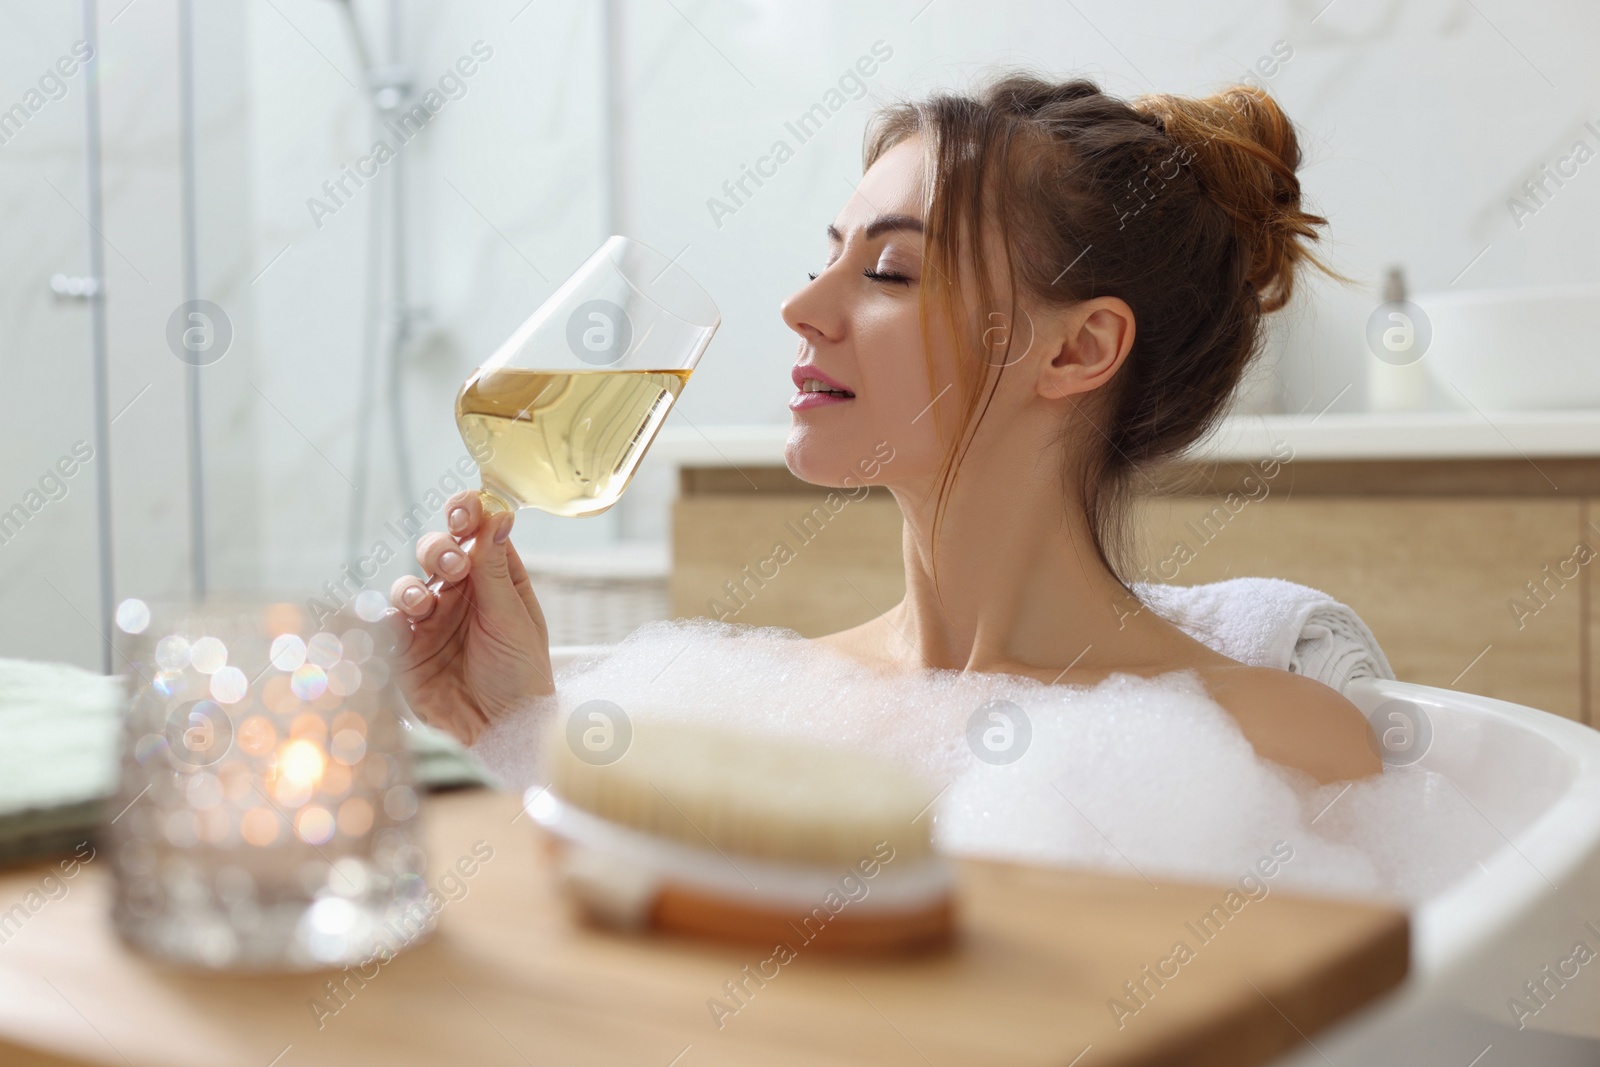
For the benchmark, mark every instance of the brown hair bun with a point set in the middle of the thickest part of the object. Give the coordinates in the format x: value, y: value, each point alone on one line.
x: 1244, y: 154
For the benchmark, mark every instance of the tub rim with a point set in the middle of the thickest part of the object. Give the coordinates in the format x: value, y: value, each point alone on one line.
x: 1487, y: 903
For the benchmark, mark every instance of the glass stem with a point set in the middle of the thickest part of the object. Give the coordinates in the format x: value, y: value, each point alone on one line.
x: 492, y: 504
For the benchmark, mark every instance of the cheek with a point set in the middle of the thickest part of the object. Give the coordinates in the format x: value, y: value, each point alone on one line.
x: 901, y: 407
x: 892, y: 406
x: 891, y: 367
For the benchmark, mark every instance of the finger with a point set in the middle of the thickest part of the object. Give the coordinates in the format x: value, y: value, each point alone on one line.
x: 440, y: 554
x: 401, y: 635
x: 463, y: 512
x: 524, y: 587
x: 411, y: 598
x: 492, y: 588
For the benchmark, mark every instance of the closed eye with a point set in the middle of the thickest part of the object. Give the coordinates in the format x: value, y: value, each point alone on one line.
x: 893, y: 277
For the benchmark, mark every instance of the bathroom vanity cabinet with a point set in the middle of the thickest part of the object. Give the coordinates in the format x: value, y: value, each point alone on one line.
x: 1466, y: 547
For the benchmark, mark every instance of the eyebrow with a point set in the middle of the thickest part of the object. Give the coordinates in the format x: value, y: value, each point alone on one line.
x: 881, y: 224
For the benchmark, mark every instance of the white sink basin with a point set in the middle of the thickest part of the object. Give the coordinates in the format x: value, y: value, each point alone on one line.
x: 1516, y: 349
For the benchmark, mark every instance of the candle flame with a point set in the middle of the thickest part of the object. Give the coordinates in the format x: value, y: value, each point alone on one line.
x: 300, y: 764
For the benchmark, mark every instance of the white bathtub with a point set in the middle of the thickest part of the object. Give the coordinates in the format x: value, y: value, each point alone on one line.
x: 1536, y: 778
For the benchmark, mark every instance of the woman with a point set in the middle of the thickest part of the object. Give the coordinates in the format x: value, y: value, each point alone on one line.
x: 1035, y: 293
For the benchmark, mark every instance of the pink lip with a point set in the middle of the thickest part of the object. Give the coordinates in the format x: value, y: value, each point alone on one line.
x: 803, y: 400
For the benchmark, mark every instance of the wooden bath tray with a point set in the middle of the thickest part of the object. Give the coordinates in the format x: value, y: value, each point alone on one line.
x: 510, y: 978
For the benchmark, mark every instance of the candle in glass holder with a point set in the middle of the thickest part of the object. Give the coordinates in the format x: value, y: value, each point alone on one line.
x: 266, y: 816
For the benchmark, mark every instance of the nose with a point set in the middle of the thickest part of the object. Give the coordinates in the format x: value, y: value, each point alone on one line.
x: 813, y: 312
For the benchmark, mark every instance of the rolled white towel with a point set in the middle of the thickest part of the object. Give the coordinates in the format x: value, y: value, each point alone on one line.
x: 1269, y: 622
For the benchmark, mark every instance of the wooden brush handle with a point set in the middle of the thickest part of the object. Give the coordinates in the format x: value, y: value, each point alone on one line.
x: 683, y: 911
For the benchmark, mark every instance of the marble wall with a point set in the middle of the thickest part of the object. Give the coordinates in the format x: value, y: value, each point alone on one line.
x: 1421, y: 118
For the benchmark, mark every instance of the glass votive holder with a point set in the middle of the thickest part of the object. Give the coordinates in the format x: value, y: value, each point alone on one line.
x: 267, y: 815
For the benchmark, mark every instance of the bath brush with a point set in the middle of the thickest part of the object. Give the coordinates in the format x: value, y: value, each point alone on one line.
x: 738, y: 837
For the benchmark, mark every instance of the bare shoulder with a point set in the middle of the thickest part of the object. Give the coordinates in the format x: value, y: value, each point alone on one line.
x: 865, y: 642
x: 842, y: 641
x: 1295, y: 720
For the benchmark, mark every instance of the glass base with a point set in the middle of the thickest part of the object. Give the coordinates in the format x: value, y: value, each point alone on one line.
x: 287, y: 937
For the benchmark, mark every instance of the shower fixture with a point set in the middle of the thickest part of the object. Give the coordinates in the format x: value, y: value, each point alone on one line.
x: 390, y: 89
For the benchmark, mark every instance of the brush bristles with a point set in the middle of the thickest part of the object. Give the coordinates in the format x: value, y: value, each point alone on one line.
x: 748, y: 795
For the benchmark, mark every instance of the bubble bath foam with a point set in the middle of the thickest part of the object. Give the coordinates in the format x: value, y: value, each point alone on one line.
x: 1148, y: 777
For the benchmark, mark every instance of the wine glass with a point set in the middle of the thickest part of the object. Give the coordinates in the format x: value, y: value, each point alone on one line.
x: 563, y: 411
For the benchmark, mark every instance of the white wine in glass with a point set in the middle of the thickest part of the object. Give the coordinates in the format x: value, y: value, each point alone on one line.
x: 564, y: 410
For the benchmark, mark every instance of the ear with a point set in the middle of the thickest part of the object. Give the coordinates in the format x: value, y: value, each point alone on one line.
x: 1096, y: 337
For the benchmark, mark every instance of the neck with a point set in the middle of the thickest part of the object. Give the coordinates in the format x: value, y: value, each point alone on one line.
x: 1020, y: 584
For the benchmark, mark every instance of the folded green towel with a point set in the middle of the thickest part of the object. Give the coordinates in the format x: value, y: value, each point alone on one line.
x: 439, y: 762
x: 59, y: 731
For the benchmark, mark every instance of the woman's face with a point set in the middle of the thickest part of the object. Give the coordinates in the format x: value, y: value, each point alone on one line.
x: 861, y: 342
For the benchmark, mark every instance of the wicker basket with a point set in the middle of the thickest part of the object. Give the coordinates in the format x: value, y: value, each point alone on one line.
x: 599, y: 596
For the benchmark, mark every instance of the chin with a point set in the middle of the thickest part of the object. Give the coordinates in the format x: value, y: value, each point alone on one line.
x: 837, y: 460
x: 811, y: 456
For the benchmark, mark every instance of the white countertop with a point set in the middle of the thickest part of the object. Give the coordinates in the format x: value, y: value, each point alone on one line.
x: 1345, y: 435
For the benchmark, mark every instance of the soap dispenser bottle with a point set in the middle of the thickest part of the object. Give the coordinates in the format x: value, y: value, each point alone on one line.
x: 1396, y: 379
